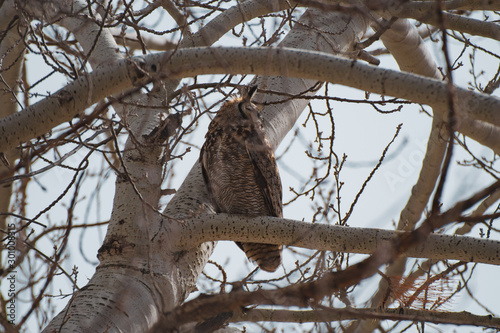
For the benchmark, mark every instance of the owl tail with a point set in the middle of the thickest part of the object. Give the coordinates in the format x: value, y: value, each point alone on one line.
x: 266, y: 256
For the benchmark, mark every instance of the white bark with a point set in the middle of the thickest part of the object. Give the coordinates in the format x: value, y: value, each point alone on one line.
x: 327, y: 237
x: 47, y: 113
x: 428, y: 14
x: 231, y: 17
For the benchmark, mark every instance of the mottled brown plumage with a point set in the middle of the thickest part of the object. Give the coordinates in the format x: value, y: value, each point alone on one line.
x: 241, y: 173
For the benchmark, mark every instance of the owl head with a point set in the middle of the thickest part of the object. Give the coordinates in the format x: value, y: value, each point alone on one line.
x: 238, y: 112
x: 246, y: 108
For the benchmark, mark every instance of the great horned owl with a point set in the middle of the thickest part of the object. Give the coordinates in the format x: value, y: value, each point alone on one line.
x: 241, y: 173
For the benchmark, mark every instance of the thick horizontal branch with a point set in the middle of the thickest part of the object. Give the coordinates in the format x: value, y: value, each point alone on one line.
x: 466, y: 25
x: 335, y: 238
x: 330, y: 68
x: 305, y: 294
x: 428, y: 13
x: 329, y: 315
x: 91, y: 88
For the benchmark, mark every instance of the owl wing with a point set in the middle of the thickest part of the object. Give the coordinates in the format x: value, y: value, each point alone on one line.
x: 203, y: 160
x: 266, y: 173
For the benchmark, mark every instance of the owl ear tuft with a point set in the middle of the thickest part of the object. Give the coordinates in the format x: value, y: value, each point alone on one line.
x: 251, y: 92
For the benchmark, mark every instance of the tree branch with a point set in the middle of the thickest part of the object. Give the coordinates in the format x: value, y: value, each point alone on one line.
x: 63, y: 105
x: 273, y: 230
x: 396, y: 314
